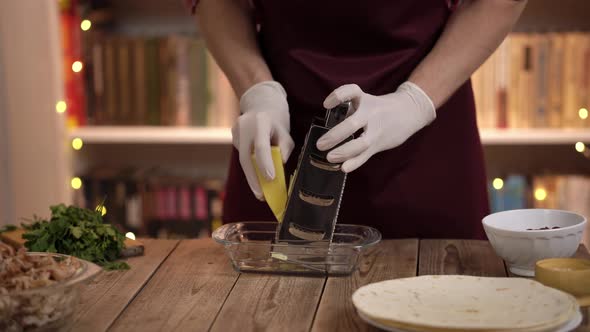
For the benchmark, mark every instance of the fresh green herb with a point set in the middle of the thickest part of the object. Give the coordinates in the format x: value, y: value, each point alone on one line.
x: 116, y: 266
x: 78, y: 232
x: 8, y: 228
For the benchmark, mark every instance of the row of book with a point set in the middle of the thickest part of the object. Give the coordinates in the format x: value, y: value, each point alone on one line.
x: 532, y: 80
x: 164, y: 203
x: 514, y: 192
x: 166, y: 80
x: 568, y: 192
x: 74, y: 88
x: 562, y: 192
x: 535, y: 80
x: 154, y: 202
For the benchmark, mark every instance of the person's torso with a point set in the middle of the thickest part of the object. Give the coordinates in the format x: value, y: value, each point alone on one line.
x: 314, y: 47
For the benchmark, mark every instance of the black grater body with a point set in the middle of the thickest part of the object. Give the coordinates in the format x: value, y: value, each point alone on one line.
x: 316, y: 190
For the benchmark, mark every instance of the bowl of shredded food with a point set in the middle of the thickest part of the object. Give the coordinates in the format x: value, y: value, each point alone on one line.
x: 39, y: 291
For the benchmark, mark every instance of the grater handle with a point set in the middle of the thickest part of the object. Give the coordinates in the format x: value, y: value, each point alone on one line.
x: 337, y: 114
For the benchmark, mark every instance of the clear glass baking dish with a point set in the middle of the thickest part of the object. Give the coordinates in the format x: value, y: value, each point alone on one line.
x: 251, y: 248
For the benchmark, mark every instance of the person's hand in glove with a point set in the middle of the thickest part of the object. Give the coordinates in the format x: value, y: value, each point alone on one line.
x: 264, y: 121
x: 388, y: 121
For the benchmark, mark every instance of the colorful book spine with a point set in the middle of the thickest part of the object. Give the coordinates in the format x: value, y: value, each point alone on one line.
x: 535, y: 80
x: 74, y: 81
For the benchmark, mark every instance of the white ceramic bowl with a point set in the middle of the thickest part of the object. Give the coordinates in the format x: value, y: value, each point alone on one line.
x: 521, y: 248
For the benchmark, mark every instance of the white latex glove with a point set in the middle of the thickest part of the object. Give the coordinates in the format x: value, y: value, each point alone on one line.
x: 388, y: 121
x: 264, y: 121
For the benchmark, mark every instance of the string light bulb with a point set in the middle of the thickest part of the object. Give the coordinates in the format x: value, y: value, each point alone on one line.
x: 85, y: 25
x: 77, y: 143
x: 498, y: 183
x: 540, y: 194
x: 77, y: 66
x: 76, y: 183
x: 580, y: 147
x: 61, y: 106
x: 583, y: 113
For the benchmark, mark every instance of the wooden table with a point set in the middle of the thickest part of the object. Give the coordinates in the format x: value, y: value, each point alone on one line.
x: 189, y: 285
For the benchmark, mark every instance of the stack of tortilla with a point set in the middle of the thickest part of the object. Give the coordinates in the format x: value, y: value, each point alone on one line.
x: 465, y: 303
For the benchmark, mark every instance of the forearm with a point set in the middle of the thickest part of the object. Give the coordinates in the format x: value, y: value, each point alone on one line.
x: 228, y: 29
x: 473, y: 32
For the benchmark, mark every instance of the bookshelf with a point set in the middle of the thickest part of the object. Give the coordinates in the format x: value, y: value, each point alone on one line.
x: 523, y: 147
x: 528, y: 149
x: 222, y: 135
x: 152, y: 135
x: 508, y: 137
x: 205, y: 150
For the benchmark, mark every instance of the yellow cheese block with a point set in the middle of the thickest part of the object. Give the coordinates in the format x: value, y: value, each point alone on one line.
x: 275, y: 191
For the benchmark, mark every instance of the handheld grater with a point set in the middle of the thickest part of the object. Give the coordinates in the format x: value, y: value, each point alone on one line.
x: 316, y: 188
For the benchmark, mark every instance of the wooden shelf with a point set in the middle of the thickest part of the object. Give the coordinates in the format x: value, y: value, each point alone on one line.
x: 221, y: 135
x: 534, y: 136
x: 152, y: 135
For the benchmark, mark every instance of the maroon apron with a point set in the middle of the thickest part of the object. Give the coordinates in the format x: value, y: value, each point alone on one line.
x: 433, y: 185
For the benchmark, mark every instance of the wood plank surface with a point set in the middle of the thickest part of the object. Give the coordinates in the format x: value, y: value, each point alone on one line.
x: 104, y: 298
x: 388, y: 260
x: 262, y: 302
x: 191, y: 286
x: 185, y: 294
x: 464, y: 257
x: 585, y: 326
